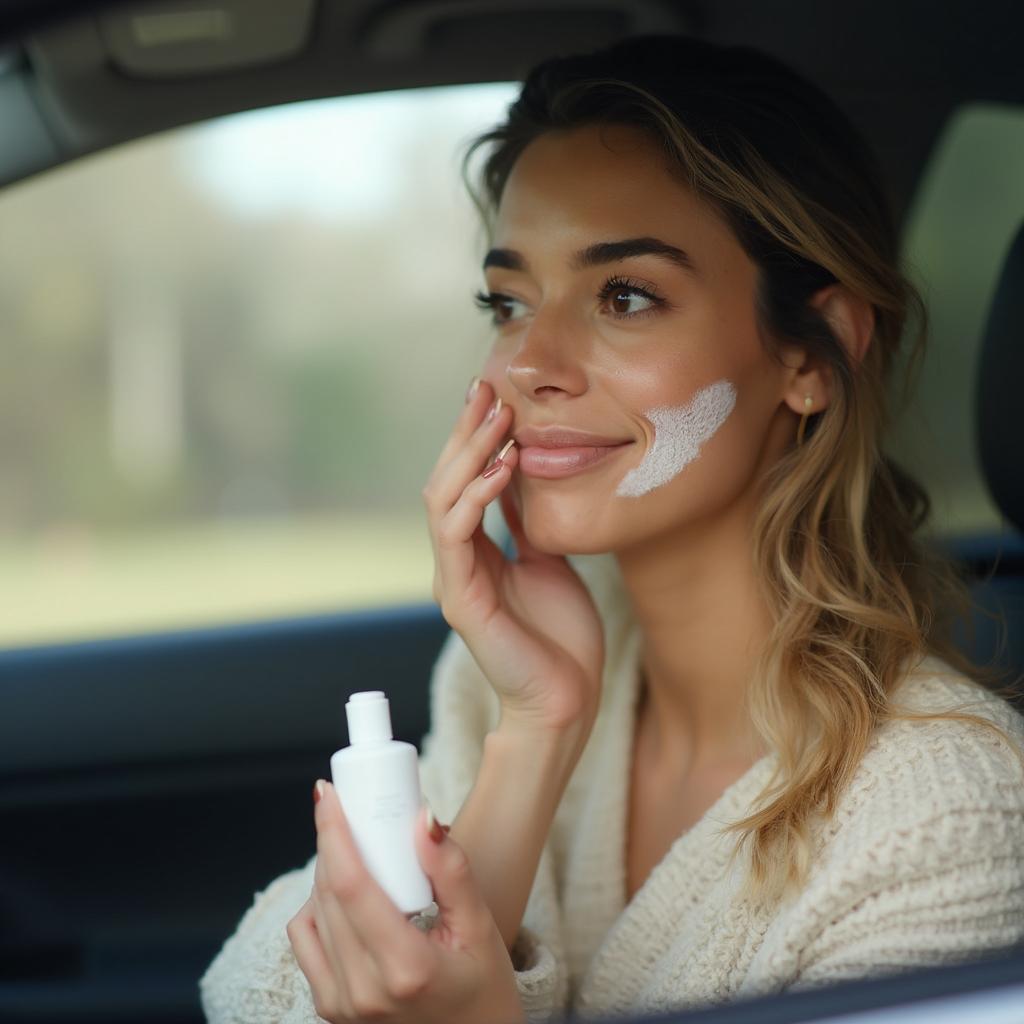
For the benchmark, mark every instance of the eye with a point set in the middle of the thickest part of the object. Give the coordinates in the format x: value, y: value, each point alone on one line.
x: 501, y: 306
x: 623, y: 294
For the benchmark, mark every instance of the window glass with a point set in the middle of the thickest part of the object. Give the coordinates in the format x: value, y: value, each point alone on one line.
x: 237, y: 350
x: 967, y: 210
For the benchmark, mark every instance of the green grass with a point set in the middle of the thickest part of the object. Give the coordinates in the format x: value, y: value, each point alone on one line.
x: 72, y: 585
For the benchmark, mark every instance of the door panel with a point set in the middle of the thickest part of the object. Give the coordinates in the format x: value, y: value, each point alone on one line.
x: 152, y: 786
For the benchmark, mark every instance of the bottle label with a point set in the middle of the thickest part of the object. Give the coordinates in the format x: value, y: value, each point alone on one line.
x: 387, y: 807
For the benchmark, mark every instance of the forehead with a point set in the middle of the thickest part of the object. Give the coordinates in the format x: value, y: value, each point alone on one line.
x: 602, y: 182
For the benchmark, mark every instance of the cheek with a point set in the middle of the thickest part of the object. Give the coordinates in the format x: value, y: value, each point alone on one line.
x: 489, y: 364
x: 680, y: 431
x: 494, y: 368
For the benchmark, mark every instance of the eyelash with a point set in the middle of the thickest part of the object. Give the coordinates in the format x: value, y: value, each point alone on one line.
x: 626, y: 284
x: 491, y: 300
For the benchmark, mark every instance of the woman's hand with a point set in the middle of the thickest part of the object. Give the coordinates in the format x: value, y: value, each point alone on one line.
x: 364, y: 960
x: 530, y: 624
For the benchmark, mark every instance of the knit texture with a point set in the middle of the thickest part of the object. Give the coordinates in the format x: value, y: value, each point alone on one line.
x: 922, y: 863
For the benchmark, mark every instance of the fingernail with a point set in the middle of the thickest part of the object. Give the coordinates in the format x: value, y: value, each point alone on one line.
x: 474, y: 386
x: 499, y: 460
x: 435, y: 829
x: 318, y: 791
x: 494, y: 410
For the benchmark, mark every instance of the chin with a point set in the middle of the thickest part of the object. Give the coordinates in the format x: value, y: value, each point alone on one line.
x: 560, y: 535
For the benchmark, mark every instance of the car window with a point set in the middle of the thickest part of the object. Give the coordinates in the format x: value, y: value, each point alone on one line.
x: 238, y: 346
x: 237, y: 350
x: 967, y: 209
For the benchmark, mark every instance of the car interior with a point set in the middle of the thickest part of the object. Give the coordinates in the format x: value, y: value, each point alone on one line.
x: 151, y: 784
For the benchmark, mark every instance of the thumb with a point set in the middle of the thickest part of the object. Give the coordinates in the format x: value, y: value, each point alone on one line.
x: 445, y: 863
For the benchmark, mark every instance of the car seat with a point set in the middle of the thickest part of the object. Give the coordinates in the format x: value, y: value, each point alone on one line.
x: 994, y: 561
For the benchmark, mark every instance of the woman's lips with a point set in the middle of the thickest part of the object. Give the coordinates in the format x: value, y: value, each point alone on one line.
x: 553, y: 463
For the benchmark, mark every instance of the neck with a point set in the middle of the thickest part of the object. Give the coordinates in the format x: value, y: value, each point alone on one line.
x: 703, y: 625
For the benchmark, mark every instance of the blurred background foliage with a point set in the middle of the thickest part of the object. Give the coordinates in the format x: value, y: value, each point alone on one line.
x: 181, y: 356
x: 234, y: 351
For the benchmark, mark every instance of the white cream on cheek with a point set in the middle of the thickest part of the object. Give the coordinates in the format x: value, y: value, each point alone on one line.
x: 679, y: 432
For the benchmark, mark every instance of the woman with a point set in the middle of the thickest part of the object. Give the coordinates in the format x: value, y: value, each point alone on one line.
x: 706, y: 737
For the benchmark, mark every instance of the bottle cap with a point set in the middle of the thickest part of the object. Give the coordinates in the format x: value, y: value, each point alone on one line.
x: 369, y: 717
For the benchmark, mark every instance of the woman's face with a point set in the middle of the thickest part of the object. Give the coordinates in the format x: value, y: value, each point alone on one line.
x: 653, y: 343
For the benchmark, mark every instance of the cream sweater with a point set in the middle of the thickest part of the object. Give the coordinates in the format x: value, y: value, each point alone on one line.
x: 923, y: 863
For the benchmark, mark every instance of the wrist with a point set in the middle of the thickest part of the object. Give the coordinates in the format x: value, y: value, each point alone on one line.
x: 546, y: 747
x: 533, y: 728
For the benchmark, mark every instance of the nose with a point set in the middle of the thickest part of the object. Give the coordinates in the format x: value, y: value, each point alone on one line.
x: 547, y: 359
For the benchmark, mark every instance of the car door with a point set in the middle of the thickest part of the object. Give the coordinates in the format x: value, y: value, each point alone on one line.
x: 157, y: 762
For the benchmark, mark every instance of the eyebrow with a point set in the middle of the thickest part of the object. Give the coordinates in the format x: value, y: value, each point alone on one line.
x: 601, y: 253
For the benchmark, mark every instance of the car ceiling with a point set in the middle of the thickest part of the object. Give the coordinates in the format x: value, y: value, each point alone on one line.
x: 77, y: 78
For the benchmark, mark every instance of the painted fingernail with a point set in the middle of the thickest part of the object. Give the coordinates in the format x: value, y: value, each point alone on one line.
x: 318, y: 791
x: 474, y: 386
x: 494, y: 410
x: 499, y: 460
x: 435, y: 829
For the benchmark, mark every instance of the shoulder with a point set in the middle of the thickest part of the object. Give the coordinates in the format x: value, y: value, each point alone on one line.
x: 939, y: 763
x: 936, y: 784
x: 927, y: 841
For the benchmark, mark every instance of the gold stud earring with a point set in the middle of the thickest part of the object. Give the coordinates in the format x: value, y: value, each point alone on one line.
x: 808, y: 402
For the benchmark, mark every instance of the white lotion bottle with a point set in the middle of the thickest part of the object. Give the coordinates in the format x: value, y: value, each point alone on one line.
x: 377, y: 779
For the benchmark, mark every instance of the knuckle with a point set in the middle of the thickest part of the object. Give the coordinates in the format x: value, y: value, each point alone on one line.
x: 347, y: 888
x: 459, y: 867
x: 297, y: 920
x: 447, y: 612
x: 326, y: 1007
x: 444, y: 533
x: 344, y: 882
x: 366, y: 1007
x: 409, y: 984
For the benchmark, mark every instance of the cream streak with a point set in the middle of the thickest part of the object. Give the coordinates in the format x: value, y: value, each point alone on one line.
x: 679, y: 432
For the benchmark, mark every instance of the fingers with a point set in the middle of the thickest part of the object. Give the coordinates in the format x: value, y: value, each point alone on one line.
x: 469, y: 418
x: 468, y: 450
x: 462, y: 542
x: 359, y: 982
x: 374, y: 944
x: 456, y: 890
x: 341, y: 872
x: 457, y: 526
x: 456, y: 496
x: 305, y: 937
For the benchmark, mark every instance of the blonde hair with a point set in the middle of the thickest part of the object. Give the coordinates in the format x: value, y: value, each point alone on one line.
x: 857, y: 600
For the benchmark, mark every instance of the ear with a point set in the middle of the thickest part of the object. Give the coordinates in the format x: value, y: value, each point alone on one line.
x: 852, y: 320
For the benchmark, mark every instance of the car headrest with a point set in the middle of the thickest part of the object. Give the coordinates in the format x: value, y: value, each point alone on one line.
x: 999, y: 409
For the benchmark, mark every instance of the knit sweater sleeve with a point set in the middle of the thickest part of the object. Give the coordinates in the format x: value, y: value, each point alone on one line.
x: 941, y: 879
x: 255, y: 978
